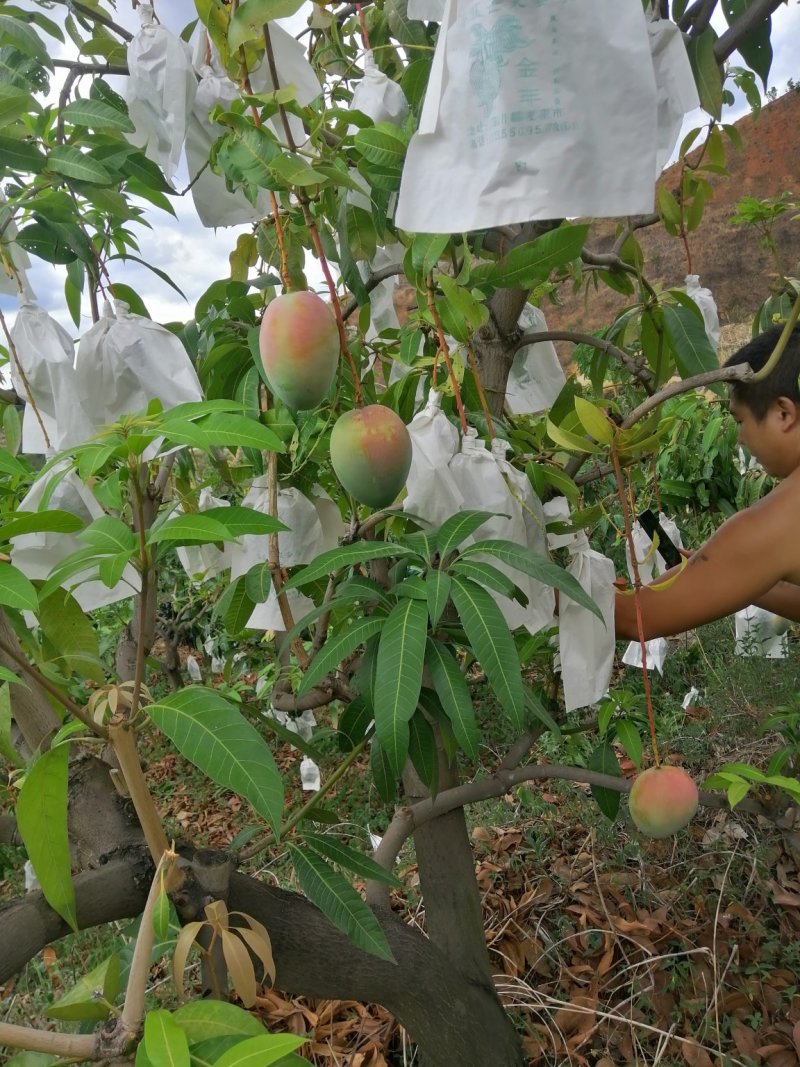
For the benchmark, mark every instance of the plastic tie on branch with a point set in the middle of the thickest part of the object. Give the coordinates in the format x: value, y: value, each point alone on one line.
x: 708, y: 308
x: 536, y: 376
x: 314, y: 526
x: 529, y: 114
x: 36, y: 554
x: 761, y: 633
x: 160, y: 91
x: 46, y: 354
x: 126, y: 360
x: 585, y: 644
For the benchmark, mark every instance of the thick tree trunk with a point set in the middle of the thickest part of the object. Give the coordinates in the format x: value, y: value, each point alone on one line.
x: 453, y: 1019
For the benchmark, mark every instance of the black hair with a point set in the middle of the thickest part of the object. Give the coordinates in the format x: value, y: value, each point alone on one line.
x: 782, y: 380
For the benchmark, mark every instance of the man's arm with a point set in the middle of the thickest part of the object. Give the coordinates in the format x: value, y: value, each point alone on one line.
x: 744, y: 563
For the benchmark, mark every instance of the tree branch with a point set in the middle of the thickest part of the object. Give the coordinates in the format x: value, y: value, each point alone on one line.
x: 70, y: 1046
x: 757, y: 13
x: 371, y: 283
x: 642, y: 374
x: 740, y: 372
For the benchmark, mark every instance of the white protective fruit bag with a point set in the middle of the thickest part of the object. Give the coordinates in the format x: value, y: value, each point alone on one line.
x: 381, y: 298
x: 427, y: 10
x: 377, y: 96
x: 160, y: 91
x: 125, y: 360
x: 650, y: 563
x: 292, y: 68
x: 536, y: 376
x: 585, y: 643
x: 480, y: 479
x: 533, y: 111
x: 761, y: 633
x: 46, y: 355
x: 18, y: 257
x: 314, y: 526
x: 675, y: 85
x: 202, y: 562
x: 708, y: 307
x: 216, y: 204
x: 37, y: 553
x: 432, y: 492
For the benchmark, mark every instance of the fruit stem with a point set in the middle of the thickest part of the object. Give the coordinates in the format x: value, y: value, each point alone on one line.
x: 311, y: 225
x: 445, y: 351
x: 637, y: 585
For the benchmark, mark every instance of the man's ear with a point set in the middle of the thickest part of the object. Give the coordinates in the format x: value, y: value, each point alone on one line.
x: 788, y: 412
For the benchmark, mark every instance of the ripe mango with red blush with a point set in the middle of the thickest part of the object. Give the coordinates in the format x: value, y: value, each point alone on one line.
x: 299, y: 345
x: 662, y: 800
x: 371, y: 454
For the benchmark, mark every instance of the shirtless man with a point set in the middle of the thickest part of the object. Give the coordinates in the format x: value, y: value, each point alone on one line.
x: 754, y: 557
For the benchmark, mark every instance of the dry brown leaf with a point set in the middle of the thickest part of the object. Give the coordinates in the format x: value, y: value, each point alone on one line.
x: 695, y: 1055
x: 744, y: 1037
x: 240, y: 967
x: 186, y: 939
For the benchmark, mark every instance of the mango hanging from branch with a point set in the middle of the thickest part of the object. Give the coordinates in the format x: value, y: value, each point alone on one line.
x: 299, y: 345
x: 371, y: 454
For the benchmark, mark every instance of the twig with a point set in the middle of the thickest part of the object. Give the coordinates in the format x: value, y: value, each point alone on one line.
x: 120, y: 733
x: 371, y: 283
x: 740, y: 372
x: 53, y: 690
x: 76, y: 1047
x: 532, y: 337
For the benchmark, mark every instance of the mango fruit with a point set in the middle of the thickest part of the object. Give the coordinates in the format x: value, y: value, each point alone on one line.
x: 371, y: 454
x: 662, y: 801
x: 299, y: 345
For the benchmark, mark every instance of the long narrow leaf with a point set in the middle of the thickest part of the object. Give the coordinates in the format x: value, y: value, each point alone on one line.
x: 213, y: 735
x: 492, y: 643
x: 538, y: 567
x: 351, y: 859
x: 340, y: 903
x: 339, y: 648
x: 401, y: 656
x: 453, y: 692
x: 458, y: 528
x: 346, y: 556
x: 42, y: 821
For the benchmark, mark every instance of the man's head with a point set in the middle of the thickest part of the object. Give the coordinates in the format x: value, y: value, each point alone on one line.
x: 782, y: 381
x: 768, y: 411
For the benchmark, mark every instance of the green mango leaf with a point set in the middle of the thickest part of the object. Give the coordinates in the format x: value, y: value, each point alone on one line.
x: 453, y: 692
x: 165, y: 1043
x: 190, y: 529
x: 484, y: 574
x: 261, y: 1051
x: 213, y: 735
x: 241, y: 521
x: 707, y: 71
x: 756, y: 48
x: 331, y: 848
x: 220, y: 429
x: 458, y: 528
x: 18, y: 34
x: 109, y: 534
x: 74, y: 640
x: 234, y: 607
x: 538, y: 567
x: 97, y: 115
x: 572, y: 442
x: 82, y: 1001
x: 251, y: 16
x: 338, y: 648
x: 427, y: 249
x: 493, y: 645
x: 205, y: 1020
x: 423, y: 753
x: 7, y: 749
x: 347, y: 556
x: 42, y: 823
x: 383, y: 145
x: 20, y: 156
x: 79, y: 166
x: 437, y: 588
x: 339, y: 902
x: 382, y: 774
x: 630, y: 739
x: 293, y: 171
x: 25, y: 522
x: 594, y: 421
x: 687, y: 335
x: 401, y: 656
x: 16, y: 591
x: 604, y: 760
x: 258, y: 582
x: 14, y: 103
x: 530, y: 263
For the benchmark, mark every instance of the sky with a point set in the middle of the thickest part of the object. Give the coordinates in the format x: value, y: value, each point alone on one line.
x: 195, y: 256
